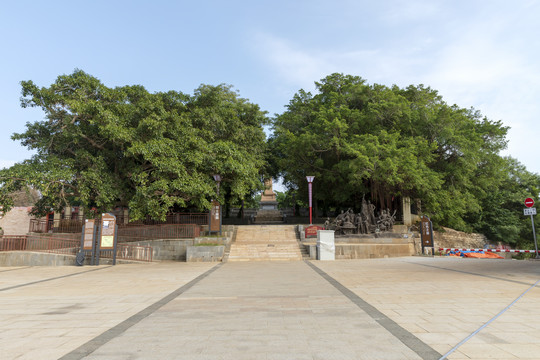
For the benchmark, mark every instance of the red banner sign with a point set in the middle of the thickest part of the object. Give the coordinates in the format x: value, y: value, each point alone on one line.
x: 311, y: 231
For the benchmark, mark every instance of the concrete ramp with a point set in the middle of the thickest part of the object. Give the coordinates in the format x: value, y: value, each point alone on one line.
x: 265, y: 243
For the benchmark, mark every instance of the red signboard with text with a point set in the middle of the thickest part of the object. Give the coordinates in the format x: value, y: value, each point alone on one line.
x: 311, y: 231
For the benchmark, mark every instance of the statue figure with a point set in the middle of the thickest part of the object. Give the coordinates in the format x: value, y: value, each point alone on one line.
x: 349, y: 216
x: 340, y: 216
x: 386, y: 221
x: 365, y: 211
x: 371, y: 210
x: 364, y: 222
x: 327, y: 223
x: 360, y: 224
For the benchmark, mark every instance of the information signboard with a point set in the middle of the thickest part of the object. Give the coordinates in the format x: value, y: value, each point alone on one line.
x: 427, y: 232
x: 215, y: 217
x: 88, y: 242
x: 108, y: 229
x: 311, y: 231
x: 529, y: 211
x: 427, y: 235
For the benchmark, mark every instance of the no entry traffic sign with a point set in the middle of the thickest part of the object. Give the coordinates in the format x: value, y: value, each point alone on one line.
x: 529, y: 202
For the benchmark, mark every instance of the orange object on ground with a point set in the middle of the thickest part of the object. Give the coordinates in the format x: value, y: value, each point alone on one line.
x: 488, y: 255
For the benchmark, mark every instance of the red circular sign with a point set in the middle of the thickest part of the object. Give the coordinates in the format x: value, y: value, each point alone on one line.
x: 529, y: 202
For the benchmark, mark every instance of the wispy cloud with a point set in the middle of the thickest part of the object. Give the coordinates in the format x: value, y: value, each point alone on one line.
x: 488, y: 61
x: 301, y: 67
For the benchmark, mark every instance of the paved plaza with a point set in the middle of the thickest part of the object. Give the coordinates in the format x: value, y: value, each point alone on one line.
x: 397, y: 308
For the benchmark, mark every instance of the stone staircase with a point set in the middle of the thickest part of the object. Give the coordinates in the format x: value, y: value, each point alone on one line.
x: 269, y: 217
x: 266, y: 243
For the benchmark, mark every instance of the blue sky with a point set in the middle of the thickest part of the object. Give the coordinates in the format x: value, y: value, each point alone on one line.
x: 483, y: 54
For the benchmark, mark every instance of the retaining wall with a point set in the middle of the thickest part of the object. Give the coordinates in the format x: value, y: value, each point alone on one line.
x: 450, y: 238
x: 205, y: 253
x: 27, y: 258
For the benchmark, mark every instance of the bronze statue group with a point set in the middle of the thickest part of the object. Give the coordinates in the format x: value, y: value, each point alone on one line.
x: 365, y: 222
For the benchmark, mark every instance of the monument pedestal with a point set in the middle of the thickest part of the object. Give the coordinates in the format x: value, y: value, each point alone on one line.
x: 268, y: 205
x: 326, y: 249
x: 268, y: 212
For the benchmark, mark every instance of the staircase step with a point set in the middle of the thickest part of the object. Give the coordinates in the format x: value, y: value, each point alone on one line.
x: 266, y: 243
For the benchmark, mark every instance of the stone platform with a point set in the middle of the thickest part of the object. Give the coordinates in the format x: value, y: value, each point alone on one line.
x: 382, y: 245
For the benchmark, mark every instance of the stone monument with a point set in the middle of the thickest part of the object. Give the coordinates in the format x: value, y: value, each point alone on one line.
x: 268, y: 212
x: 268, y: 197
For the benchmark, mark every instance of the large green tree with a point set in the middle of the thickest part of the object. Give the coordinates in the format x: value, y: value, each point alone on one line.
x: 102, y: 147
x: 501, y: 218
x: 388, y: 142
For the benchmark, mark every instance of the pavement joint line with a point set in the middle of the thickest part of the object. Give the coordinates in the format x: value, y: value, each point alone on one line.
x: 100, y: 340
x: 422, y: 349
x: 51, y: 279
x: 489, y: 322
x: 20, y: 268
x: 470, y: 273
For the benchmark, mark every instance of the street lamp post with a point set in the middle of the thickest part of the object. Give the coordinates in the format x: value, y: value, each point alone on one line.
x: 217, y: 178
x: 310, y: 193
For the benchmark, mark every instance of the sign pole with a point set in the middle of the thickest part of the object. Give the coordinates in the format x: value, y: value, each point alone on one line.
x: 98, y: 245
x: 529, y: 203
x: 534, y: 236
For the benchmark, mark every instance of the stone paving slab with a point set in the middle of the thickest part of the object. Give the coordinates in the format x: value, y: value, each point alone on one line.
x: 56, y: 309
x: 269, y: 311
x: 398, y: 308
x: 444, y: 300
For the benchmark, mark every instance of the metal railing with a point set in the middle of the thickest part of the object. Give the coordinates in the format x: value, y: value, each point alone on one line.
x: 56, y: 226
x: 54, y: 245
x: 174, y: 218
x: 76, y: 225
x: 132, y: 233
x: 130, y: 252
x: 13, y: 242
x: 70, y: 246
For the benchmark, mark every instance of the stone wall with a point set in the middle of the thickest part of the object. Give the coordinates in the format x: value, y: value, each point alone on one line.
x: 16, y: 221
x: 176, y: 250
x: 457, y: 239
x: 205, y: 253
x: 28, y: 258
x: 449, y: 238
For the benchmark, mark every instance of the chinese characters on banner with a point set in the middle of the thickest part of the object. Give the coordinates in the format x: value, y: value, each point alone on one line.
x: 215, y: 214
x: 427, y: 233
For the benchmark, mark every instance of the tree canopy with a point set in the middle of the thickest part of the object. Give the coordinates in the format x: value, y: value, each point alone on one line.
x: 385, y: 142
x: 102, y: 147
